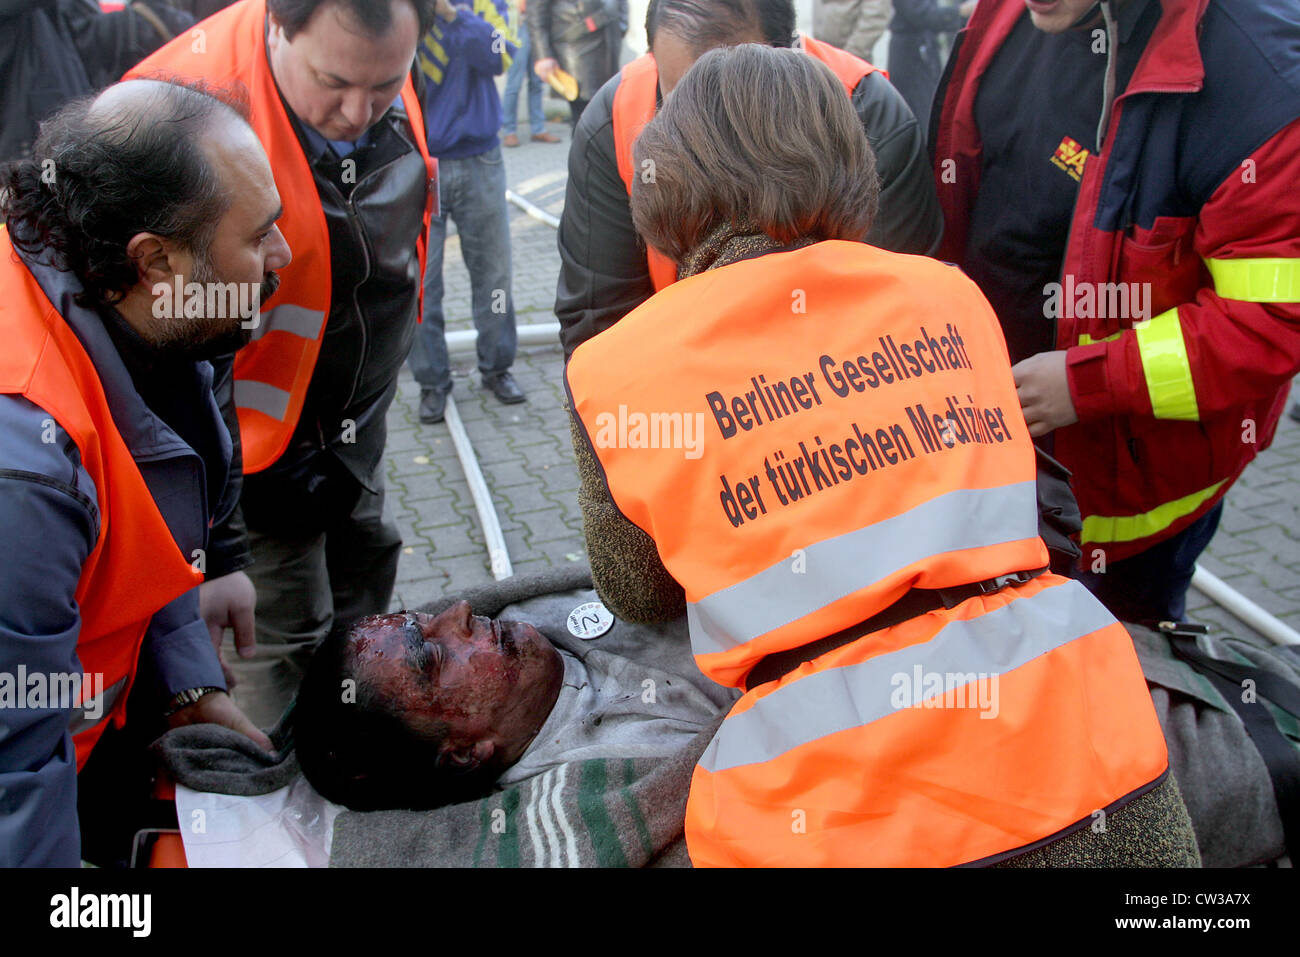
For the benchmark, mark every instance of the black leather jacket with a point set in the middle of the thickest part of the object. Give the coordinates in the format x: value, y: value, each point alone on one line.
x: 374, y: 208
x: 562, y: 29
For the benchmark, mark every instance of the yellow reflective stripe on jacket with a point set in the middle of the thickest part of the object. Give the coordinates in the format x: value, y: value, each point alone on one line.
x: 427, y: 53
x: 1087, y: 340
x: 501, y: 32
x: 1164, y: 362
x: 1128, y: 528
x: 1246, y: 280
x: 1256, y: 280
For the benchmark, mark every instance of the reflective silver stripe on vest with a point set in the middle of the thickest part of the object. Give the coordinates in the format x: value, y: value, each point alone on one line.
x: 261, y: 397
x: 839, y: 566
x: 295, y: 320
x: 102, y: 706
x: 855, y: 695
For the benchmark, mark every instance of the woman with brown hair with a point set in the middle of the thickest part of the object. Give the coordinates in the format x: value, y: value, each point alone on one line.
x: 698, y: 196
x: 790, y: 167
x: 821, y: 442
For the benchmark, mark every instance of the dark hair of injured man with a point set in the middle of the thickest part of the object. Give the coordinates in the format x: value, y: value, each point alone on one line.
x: 410, y: 710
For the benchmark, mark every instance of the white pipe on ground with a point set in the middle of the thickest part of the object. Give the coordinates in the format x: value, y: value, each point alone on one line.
x: 478, y: 490
x: 1252, y: 614
x: 465, y: 340
x: 533, y: 210
x: 461, y: 341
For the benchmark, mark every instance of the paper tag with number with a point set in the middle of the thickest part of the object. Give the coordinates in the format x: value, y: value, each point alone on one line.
x: 590, y: 620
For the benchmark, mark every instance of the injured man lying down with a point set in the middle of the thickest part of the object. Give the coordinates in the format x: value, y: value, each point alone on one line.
x: 525, y: 727
x: 521, y: 727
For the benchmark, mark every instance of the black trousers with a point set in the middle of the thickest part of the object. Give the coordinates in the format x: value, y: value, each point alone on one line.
x: 1152, y: 585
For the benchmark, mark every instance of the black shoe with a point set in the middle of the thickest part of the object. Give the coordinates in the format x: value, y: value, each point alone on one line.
x: 504, y: 387
x: 433, y: 405
x: 1295, y: 411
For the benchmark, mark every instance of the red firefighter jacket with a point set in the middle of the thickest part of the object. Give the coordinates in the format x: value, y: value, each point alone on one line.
x: 1192, y: 192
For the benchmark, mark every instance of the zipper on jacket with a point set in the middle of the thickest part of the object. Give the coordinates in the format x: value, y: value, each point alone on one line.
x: 1112, y: 71
x: 354, y: 225
x: 1107, y: 110
x: 941, y: 97
x: 354, y: 220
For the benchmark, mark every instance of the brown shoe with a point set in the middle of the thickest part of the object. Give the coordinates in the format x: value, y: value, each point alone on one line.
x: 510, y: 140
x: 545, y: 137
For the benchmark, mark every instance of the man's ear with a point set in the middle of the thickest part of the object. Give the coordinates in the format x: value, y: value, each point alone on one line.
x: 275, y: 35
x: 150, y: 253
x: 469, y: 758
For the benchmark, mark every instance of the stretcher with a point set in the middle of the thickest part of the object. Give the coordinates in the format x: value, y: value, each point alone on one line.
x: 159, y: 847
x: 290, y: 827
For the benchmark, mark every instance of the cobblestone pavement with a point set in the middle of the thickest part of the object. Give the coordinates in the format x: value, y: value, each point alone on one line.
x: 526, y: 458
x: 1257, y: 547
x: 523, y: 450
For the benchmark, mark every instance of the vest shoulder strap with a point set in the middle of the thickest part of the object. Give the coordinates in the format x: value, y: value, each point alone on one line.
x: 118, y: 592
x: 39, y: 362
x: 634, y: 107
x: 849, y: 68
x: 272, y: 373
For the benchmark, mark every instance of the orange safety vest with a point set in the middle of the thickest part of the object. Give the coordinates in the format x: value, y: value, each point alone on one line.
x: 135, y: 567
x: 636, y: 101
x: 273, y: 371
x: 833, y: 427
